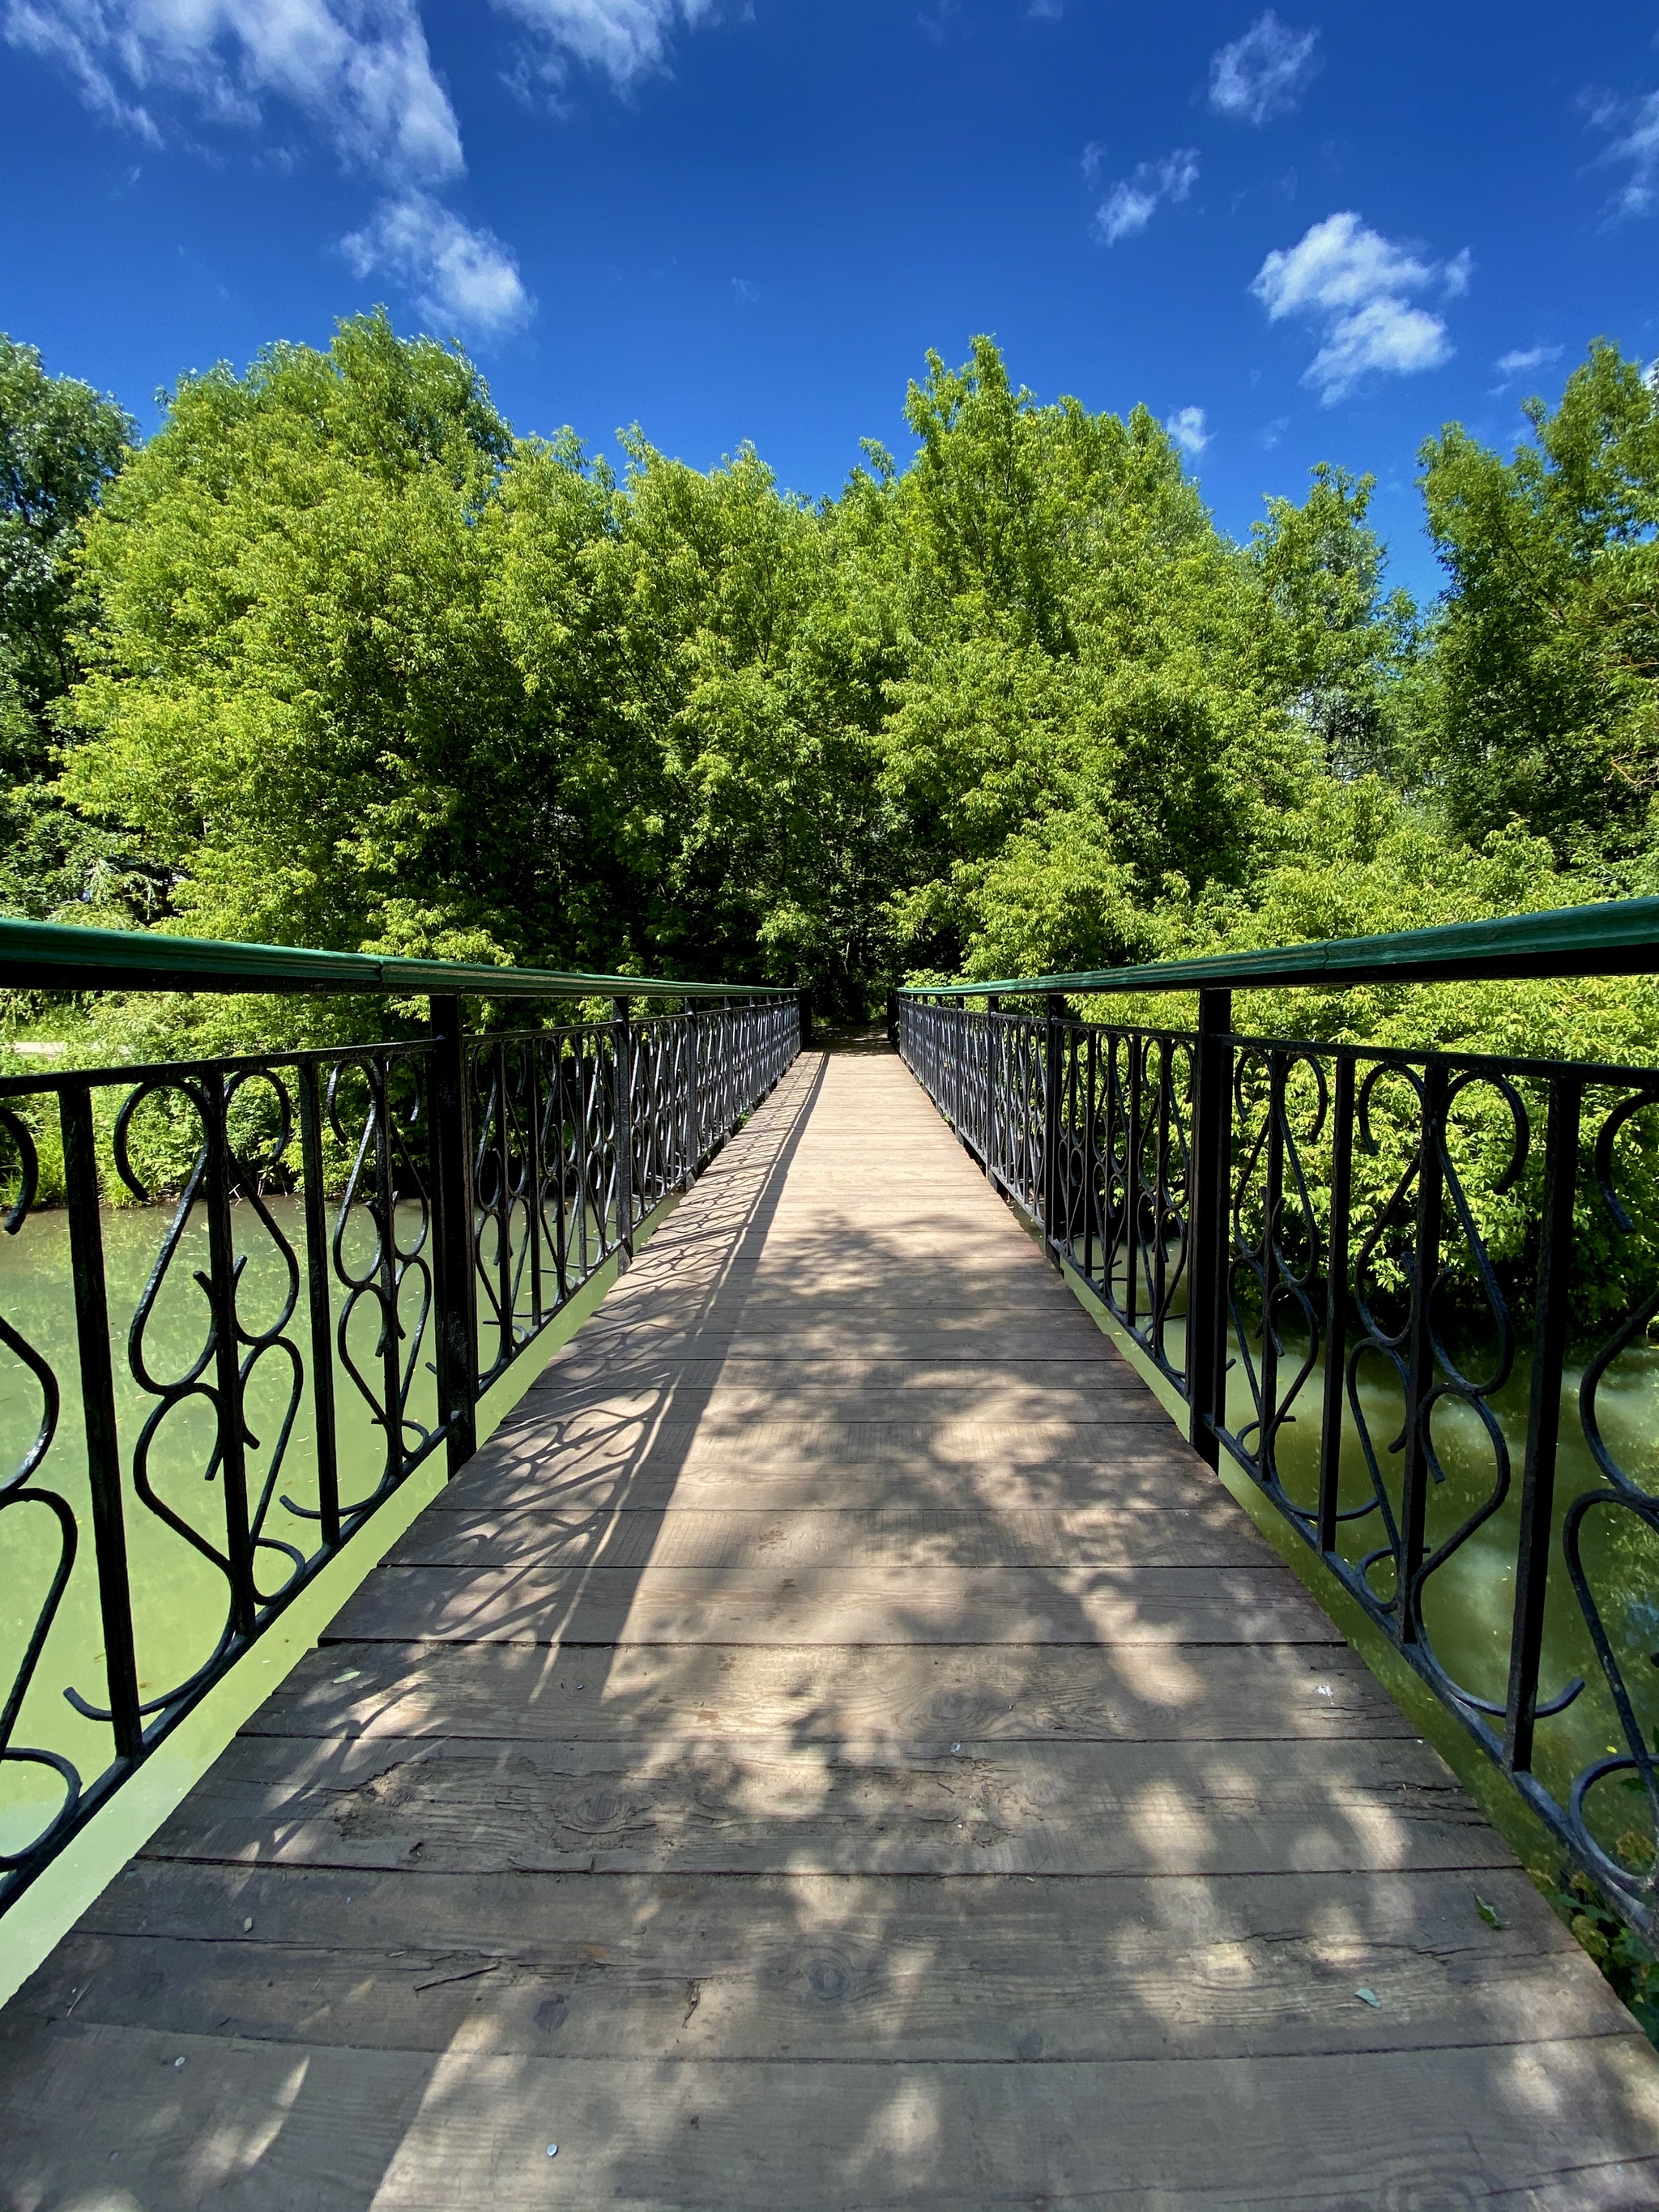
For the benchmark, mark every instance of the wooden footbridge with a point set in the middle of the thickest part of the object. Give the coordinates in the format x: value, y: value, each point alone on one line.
x: 835, y: 1747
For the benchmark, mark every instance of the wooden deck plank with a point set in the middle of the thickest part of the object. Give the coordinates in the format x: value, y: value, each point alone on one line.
x: 835, y: 1747
x: 810, y: 1966
x: 826, y: 1605
x: 1565, y: 2126
x: 700, y: 1804
x: 893, y: 1536
x: 923, y: 1697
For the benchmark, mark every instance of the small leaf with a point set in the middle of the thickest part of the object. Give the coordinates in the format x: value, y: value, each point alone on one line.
x: 1488, y: 1912
x: 1370, y: 1998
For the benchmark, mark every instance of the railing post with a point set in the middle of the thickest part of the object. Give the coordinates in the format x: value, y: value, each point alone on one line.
x: 227, y: 1360
x: 1054, y: 1008
x: 1543, y: 1420
x: 688, y: 1036
x: 451, y: 1181
x: 993, y: 1008
x: 318, y: 1258
x: 804, y: 999
x: 893, y: 1019
x: 1425, y: 1266
x: 623, y: 1114
x: 1336, y: 1302
x: 1206, y: 1317
x: 98, y: 1408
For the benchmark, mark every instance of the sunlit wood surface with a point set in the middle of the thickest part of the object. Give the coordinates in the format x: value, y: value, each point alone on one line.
x: 836, y: 1747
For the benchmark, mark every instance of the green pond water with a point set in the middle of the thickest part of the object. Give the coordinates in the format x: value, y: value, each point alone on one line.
x: 1468, y: 1602
x: 179, y: 1599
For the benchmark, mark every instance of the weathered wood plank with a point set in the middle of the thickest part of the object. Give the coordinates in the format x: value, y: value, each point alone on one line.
x: 709, y: 1807
x: 821, y: 1605
x: 1552, y: 2127
x: 1213, y: 1535
x: 806, y: 1966
x: 922, y: 1698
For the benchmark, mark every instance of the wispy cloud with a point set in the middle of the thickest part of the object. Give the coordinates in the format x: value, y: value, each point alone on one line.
x: 1525, y: 359
x: 1263, y: 73
x: 1632, y: 131
x: 358, y: 70
x: 464, y: 278
x: 1357, y: 285
x: 743, y: 292
x: 1047, y: 11
x: 621, y: 40
x: 356, y: 73
x: 1186, y: 427
x: 1132, y: 203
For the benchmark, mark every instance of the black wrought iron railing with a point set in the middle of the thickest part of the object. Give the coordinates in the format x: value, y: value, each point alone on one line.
x: 1413, y: 1295
x: 328, y: 1259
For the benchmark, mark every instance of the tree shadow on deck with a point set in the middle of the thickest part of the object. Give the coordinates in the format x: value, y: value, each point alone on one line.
x: 981, y: 1813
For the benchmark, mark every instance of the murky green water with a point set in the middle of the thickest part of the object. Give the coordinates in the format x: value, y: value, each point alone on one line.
x: 1469, y: 1601
x: 180, y: 1595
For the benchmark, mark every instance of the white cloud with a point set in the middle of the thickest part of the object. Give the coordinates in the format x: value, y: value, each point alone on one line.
x: 359, y: 73
x: 1186, y: 427
x: 1263, y: 73
x: 358, y: 70
x: 1525, y: 358
x: 1355, y: 283
x: 1634, y: 126
x: 744, y: 291
x: 622, y: 40
x: 463, y: 277
x: 1132, y: 203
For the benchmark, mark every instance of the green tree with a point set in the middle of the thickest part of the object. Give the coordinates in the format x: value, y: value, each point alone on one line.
x: 301, y: 698
x: 1543, y: 704
x: 1331, y: 642
x: 61, y: 443
x: 1080, y: 674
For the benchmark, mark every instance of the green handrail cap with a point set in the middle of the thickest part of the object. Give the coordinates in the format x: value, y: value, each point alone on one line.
x: 59, y: 957
x: 1613, y: 936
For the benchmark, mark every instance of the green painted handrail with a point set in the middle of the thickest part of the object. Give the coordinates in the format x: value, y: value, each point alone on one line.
x: 52, y: 957
x: 1616, y: 937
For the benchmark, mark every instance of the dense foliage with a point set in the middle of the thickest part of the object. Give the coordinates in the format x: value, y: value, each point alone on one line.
x: 336, y: 659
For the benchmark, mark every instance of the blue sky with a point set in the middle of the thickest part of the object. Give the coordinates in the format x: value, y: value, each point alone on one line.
x: 1304, y: 234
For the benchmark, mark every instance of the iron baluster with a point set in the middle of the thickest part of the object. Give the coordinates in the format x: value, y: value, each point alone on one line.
x: 1054, y: 1008
x: 223, y: 1271
x: 625, y: 1126
x: 1207, y: 1326
x: 1273, y: 1200
x: 98, y: 1408
x: 451, y: 1186
x: 1336, y: 1302
x: 1132, y: 1185
x: 317, y: 1294
x: 506, y: 1297
x: 1419, y: 1382
x: 532, y: 1178
x: 1543, y: 1420
x: 690, y: 1064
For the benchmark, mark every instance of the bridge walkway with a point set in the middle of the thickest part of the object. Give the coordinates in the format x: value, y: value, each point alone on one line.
x: 836, y: 1747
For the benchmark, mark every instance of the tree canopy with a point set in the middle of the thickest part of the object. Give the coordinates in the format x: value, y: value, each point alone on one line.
x: 335, y: 658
